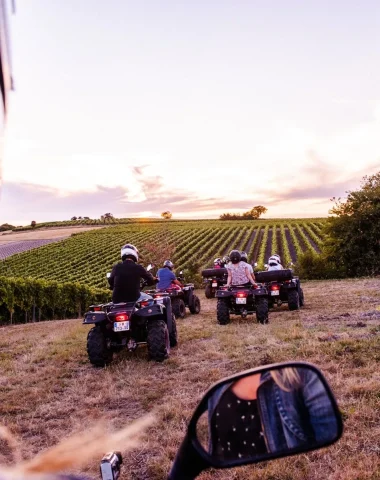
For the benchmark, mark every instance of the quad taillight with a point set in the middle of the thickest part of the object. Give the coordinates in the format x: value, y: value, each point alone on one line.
x: 275, y: 287
x: 121, y: 317
x: 145, y: 303
x: 97, y: 309
x: 241, y: 294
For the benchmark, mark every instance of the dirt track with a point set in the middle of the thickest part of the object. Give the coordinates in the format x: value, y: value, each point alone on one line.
x: 43, y: 234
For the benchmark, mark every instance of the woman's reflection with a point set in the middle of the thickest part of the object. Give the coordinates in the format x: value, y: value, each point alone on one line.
x: 276, y: 411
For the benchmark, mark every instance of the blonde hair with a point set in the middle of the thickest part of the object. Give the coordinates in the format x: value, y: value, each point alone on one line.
x: 74, y: 452
x: 287, y: 378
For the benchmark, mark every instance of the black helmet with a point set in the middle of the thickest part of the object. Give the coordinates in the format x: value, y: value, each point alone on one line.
x: 235, y: 256
x: 169, y: 264
x: 244, y: 256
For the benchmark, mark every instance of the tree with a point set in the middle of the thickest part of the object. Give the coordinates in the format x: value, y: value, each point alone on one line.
x: 6, y: 226
x: 353, y: 232
x: 166, y: 215
x: 33, y: 223
x: 252, y: 214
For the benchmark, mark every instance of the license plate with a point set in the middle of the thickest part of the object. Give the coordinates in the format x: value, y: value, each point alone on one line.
x: 159, y: 300
x: 241, y: 301
x: 214, y: 284
x: 275, y: 292
x: 120, y: 326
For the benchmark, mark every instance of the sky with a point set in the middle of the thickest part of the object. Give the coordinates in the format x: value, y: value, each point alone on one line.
x: 198, y: 107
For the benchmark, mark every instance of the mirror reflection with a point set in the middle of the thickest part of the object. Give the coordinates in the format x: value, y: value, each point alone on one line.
x: 271, y: 412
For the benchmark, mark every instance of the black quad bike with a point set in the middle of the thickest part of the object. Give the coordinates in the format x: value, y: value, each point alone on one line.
x: 282, y: 287
x: 213, y: 278
x: 242, y: 300
x: 127, y: 325
x: 180, y: 298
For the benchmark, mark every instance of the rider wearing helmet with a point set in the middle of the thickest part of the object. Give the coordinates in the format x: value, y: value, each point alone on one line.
x: 166, y: 276
x: 125, y: 276
x: 244, y: 258
x: 238, y: 272
x: 274, y: 263
x: 217, y: 262
x: 225, y: 261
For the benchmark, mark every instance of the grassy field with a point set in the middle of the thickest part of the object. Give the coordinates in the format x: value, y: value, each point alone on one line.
x: 48, y: 389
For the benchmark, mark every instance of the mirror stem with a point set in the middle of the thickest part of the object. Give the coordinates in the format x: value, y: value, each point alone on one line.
x: 188, y: 464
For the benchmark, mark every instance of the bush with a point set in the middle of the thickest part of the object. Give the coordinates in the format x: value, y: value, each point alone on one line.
x: 313, y: 266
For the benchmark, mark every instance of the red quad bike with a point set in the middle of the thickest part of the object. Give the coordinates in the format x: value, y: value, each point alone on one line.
x: 242, y: 300
x: 180, y: 298
x: 210, y: 441
x: 127, y: 325
x: 214, y: 278
x: 282, y: 287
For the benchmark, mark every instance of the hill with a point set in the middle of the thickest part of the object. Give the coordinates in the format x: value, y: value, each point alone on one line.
x: 86, y: 257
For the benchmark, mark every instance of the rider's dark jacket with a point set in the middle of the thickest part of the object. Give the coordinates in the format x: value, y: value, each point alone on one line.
x: 125, y: 281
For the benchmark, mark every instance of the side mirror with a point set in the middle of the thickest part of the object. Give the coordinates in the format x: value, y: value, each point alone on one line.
x: 265, y: 413
x: 149, y: 267
x: 180, y: 273
x: 266, y: 265
x: 255, y: 264
x: 108, y: 274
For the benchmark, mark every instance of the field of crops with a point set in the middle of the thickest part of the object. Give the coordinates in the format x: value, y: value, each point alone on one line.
x: 86, y: 257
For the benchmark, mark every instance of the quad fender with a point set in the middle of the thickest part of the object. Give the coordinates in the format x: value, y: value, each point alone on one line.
x: 224, y: 293
x: 293, y: 285
x: 94, y: 317
x: 150, y: 311
x: 259, y: 292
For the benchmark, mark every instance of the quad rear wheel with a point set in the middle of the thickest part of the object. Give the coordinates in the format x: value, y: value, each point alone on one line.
x: 208, y: 291
x: 98, y: 352
x: 173, y: 336
x: 222, y: 312
x: 158, y: 340
x: 195, y: 306
x: 293, y: 300
x: 262, y: 309
x: 178, y: 308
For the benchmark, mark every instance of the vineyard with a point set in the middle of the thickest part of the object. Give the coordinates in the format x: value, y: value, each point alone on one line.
x: 86, y: 257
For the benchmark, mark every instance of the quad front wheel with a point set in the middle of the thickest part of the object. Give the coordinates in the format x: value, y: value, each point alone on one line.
x: 98, y: 352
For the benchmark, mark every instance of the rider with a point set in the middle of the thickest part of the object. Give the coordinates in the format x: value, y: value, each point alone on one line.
x: 166, y: 276
x: 274, y: 263
x: 244, y: 258
x: 225, y: 261
x: 238, y: 272
x: 217, y: 263
x: 125, y: 276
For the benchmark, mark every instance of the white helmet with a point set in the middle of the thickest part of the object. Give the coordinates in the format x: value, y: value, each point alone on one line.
x: 169, y: 264
x: 278, y: 257
x: 274, y: 260
x: 129, y: 250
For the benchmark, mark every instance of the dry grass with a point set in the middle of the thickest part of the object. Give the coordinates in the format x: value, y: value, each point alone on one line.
x: 48, y: 390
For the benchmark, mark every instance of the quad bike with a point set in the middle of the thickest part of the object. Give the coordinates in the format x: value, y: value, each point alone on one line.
x: 282, y: 287
x: 214, y: 278
x: 128, y: 325
x: 310, y: 419
x: 180, y: 298
x: 242, y: 300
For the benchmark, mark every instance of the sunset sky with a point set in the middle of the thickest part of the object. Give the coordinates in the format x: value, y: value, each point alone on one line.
x: 197, y: 107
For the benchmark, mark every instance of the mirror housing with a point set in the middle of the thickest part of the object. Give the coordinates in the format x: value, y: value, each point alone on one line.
x: 255, y: 264
x: 149, y: 267
x: 329, y: 421
x: 266, y: 265
x: 108, y: 274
